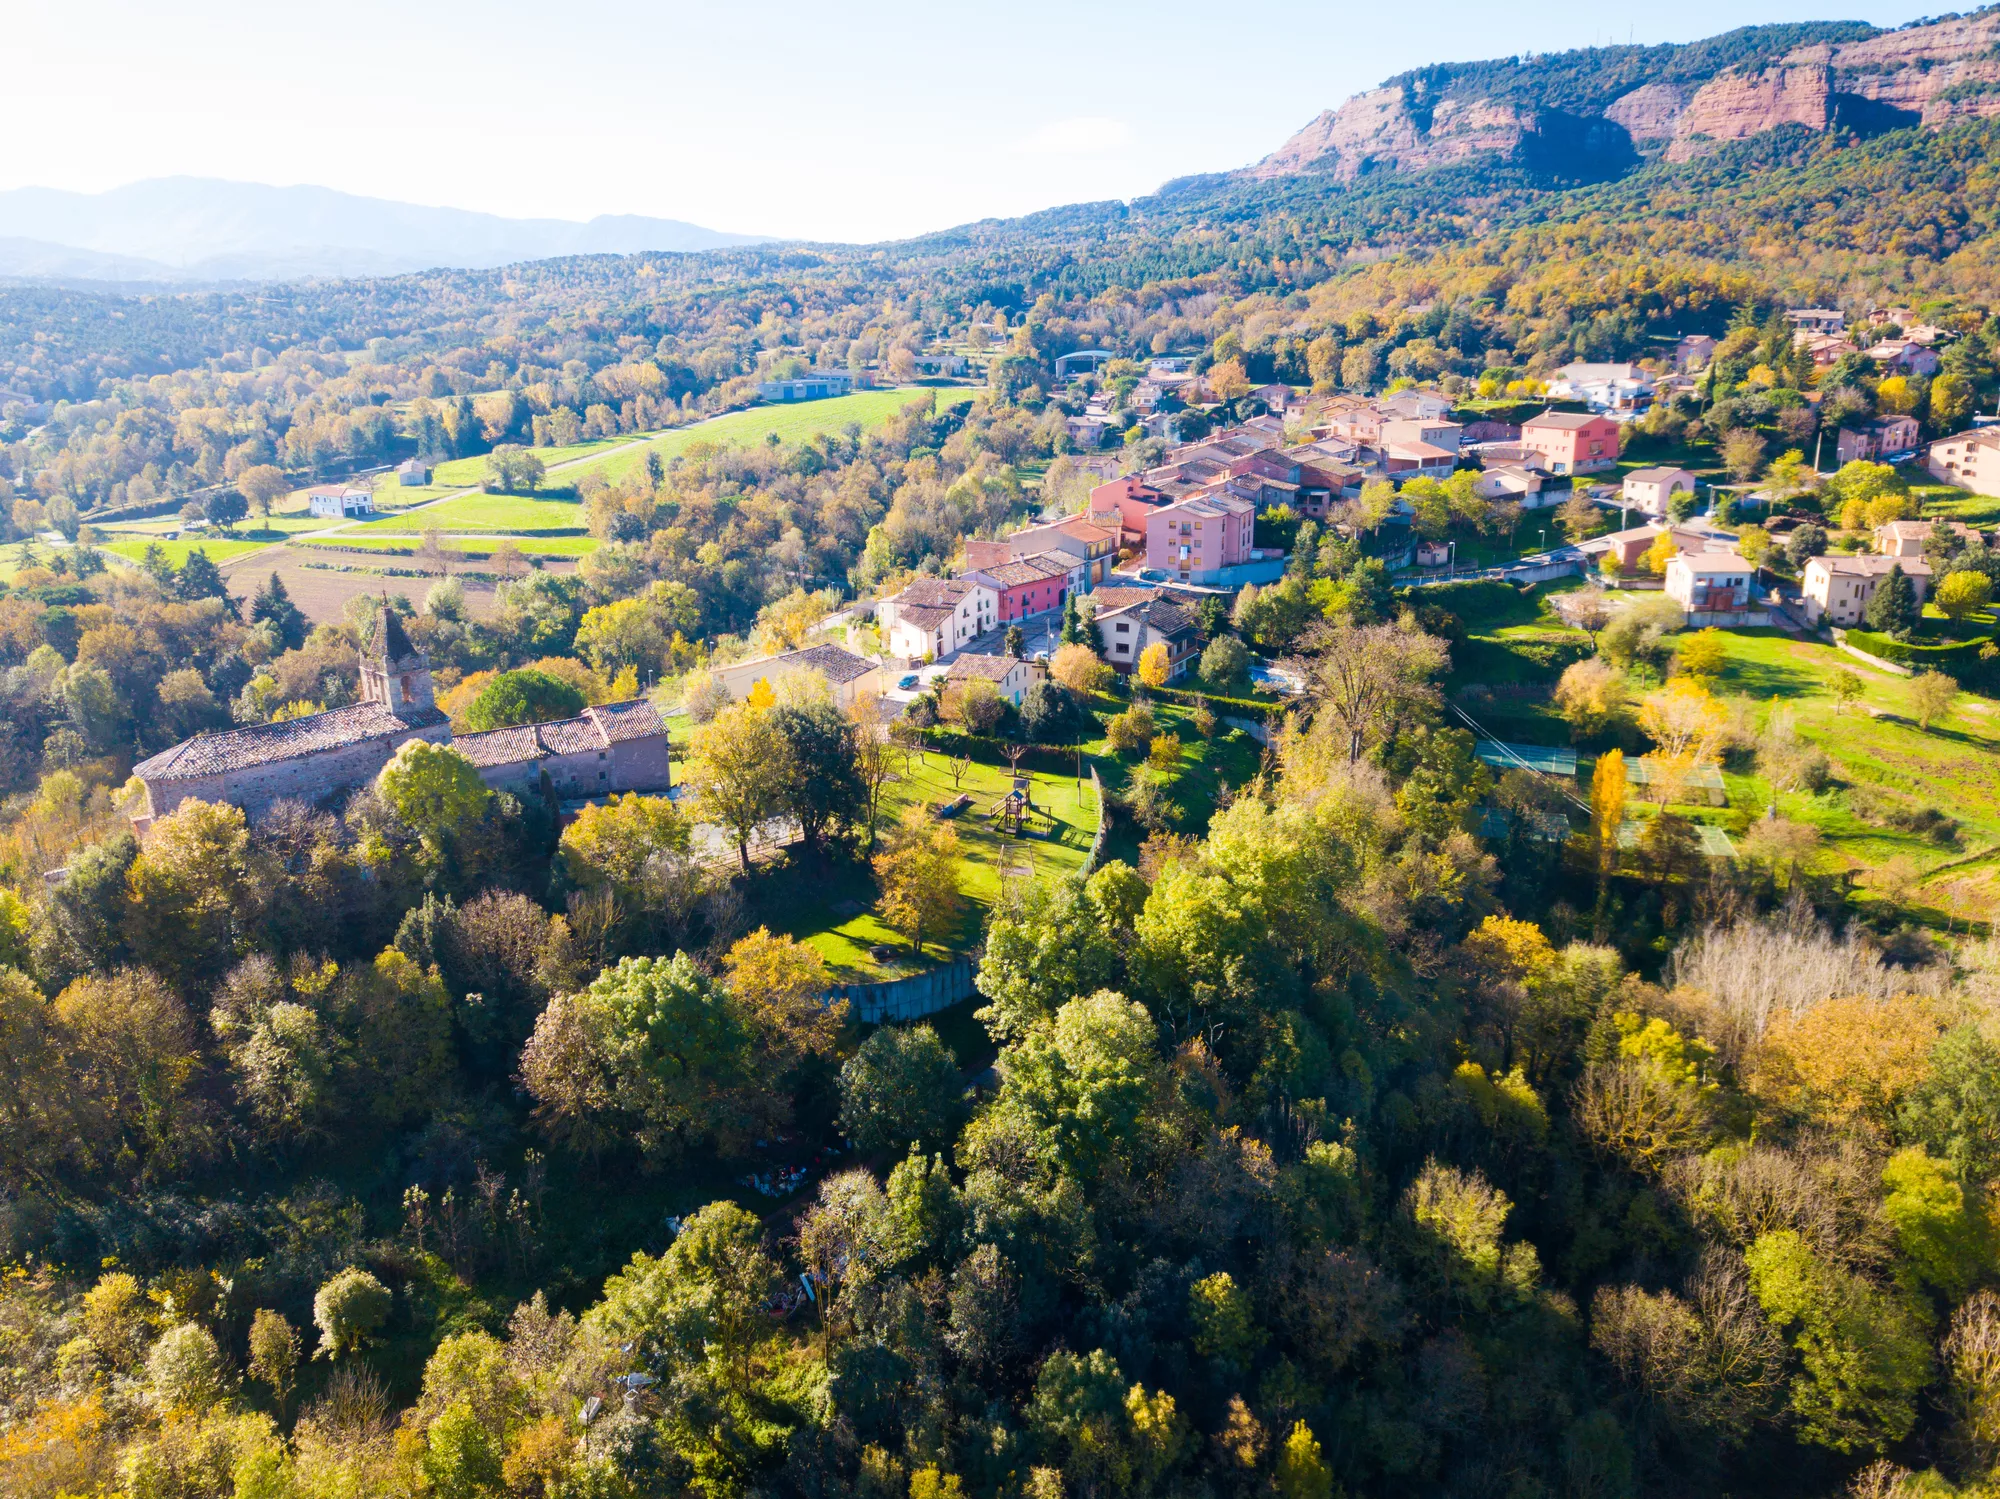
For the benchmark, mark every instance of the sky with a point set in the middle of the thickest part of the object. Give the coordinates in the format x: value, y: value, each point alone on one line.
x: 863, y: 121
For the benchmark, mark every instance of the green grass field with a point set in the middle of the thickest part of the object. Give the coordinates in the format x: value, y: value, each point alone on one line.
x: 793, y: 423
x: 177, y: 551
x: 807, y: 908
x: 1948, y: 502
x: 481, y: 512
x: 1876, y: 746
x: 459, y: 473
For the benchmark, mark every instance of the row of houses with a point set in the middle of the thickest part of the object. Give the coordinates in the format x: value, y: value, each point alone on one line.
x: 1711, y: 580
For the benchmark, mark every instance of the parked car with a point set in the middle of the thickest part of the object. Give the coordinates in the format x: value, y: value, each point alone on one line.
x: 907, y: 683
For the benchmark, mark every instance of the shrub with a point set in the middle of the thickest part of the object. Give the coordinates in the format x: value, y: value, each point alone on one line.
x: 1078, y: 668
x: 1225, y: 661
x: 1131, y: 730
x: 347, y: 1310
x: 1927, y: 823
x: 185, y: 1369
x: 1164, y: 754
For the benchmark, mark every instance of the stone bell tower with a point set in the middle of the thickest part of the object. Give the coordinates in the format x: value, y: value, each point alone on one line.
x: 394, y: 672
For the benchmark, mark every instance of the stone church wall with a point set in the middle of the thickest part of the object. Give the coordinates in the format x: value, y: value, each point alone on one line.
x: 308, y: 778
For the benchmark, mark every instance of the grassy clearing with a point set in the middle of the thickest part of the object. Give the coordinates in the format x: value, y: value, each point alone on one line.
x: 458, y: 473
x: 1948, y: 502
x: 795, y: 423
x: 1206, y: 768
x: 177, y: 551
x: 818, y: 908
x: 394, y: 497
x: 1876, y: 746
x: 482, y: 512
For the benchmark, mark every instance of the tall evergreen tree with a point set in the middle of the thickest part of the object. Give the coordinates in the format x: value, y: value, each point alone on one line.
x: 199, y: 578
x: 1893, y: 610
x: 274, y: 604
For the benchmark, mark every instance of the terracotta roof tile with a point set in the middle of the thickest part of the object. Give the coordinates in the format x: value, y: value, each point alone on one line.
x: 269, y: 743
x: 499, y: 746
x: 636, y: 719
x: 836, y: 665
x: 570, y: 736
x: 979, y: 664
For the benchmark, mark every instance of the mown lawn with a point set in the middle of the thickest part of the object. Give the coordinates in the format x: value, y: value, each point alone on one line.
x: 132, y: 549
x: 483, y: 512
x: 818, y: 908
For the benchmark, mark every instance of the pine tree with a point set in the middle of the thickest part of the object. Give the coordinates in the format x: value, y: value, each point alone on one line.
x: 199, y: 578
x: 274, y: 604
x: 1072, y: 633
x: 1893, y: 610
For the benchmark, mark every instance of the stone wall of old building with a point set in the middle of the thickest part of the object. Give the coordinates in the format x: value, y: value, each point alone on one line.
x: 307, y: 778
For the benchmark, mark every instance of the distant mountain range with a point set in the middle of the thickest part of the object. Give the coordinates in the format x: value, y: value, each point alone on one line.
x: 199, y: 229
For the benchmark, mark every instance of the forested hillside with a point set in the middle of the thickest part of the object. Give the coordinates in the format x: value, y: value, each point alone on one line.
x: 1336, y: 1115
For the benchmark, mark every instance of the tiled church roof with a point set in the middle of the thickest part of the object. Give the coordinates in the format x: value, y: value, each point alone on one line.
x: 268, y: 743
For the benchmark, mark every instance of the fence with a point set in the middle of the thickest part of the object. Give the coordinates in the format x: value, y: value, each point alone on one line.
x: 912, y: 998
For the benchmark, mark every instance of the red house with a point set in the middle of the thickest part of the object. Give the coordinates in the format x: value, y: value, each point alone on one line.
x: 1030, y: 585
x: 1572, y: 442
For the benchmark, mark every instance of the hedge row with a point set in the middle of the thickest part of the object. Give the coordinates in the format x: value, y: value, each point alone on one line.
x: 1256, y: 708
x: 1957, y: 659
x: 990, y: 749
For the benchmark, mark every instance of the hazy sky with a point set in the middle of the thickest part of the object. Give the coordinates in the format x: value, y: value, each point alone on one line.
x: 858, y: 121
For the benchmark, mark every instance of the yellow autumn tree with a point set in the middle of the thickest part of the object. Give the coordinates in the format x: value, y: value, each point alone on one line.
x: 1607, y: 805
x: 1848, y: 1060
x: 1686, y: 725
x: 1155, y: 664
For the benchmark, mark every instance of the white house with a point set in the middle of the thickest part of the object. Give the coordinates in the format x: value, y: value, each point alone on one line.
x: 1013, y: 677
x: 1838, y: 589
x: 1651, y: 490
x: 1618, y: 389
x: 1710, y: 582
x: 1510, y: 481
x: 935, y: 616
x: 1971, y: 460
x: 341, y: 500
